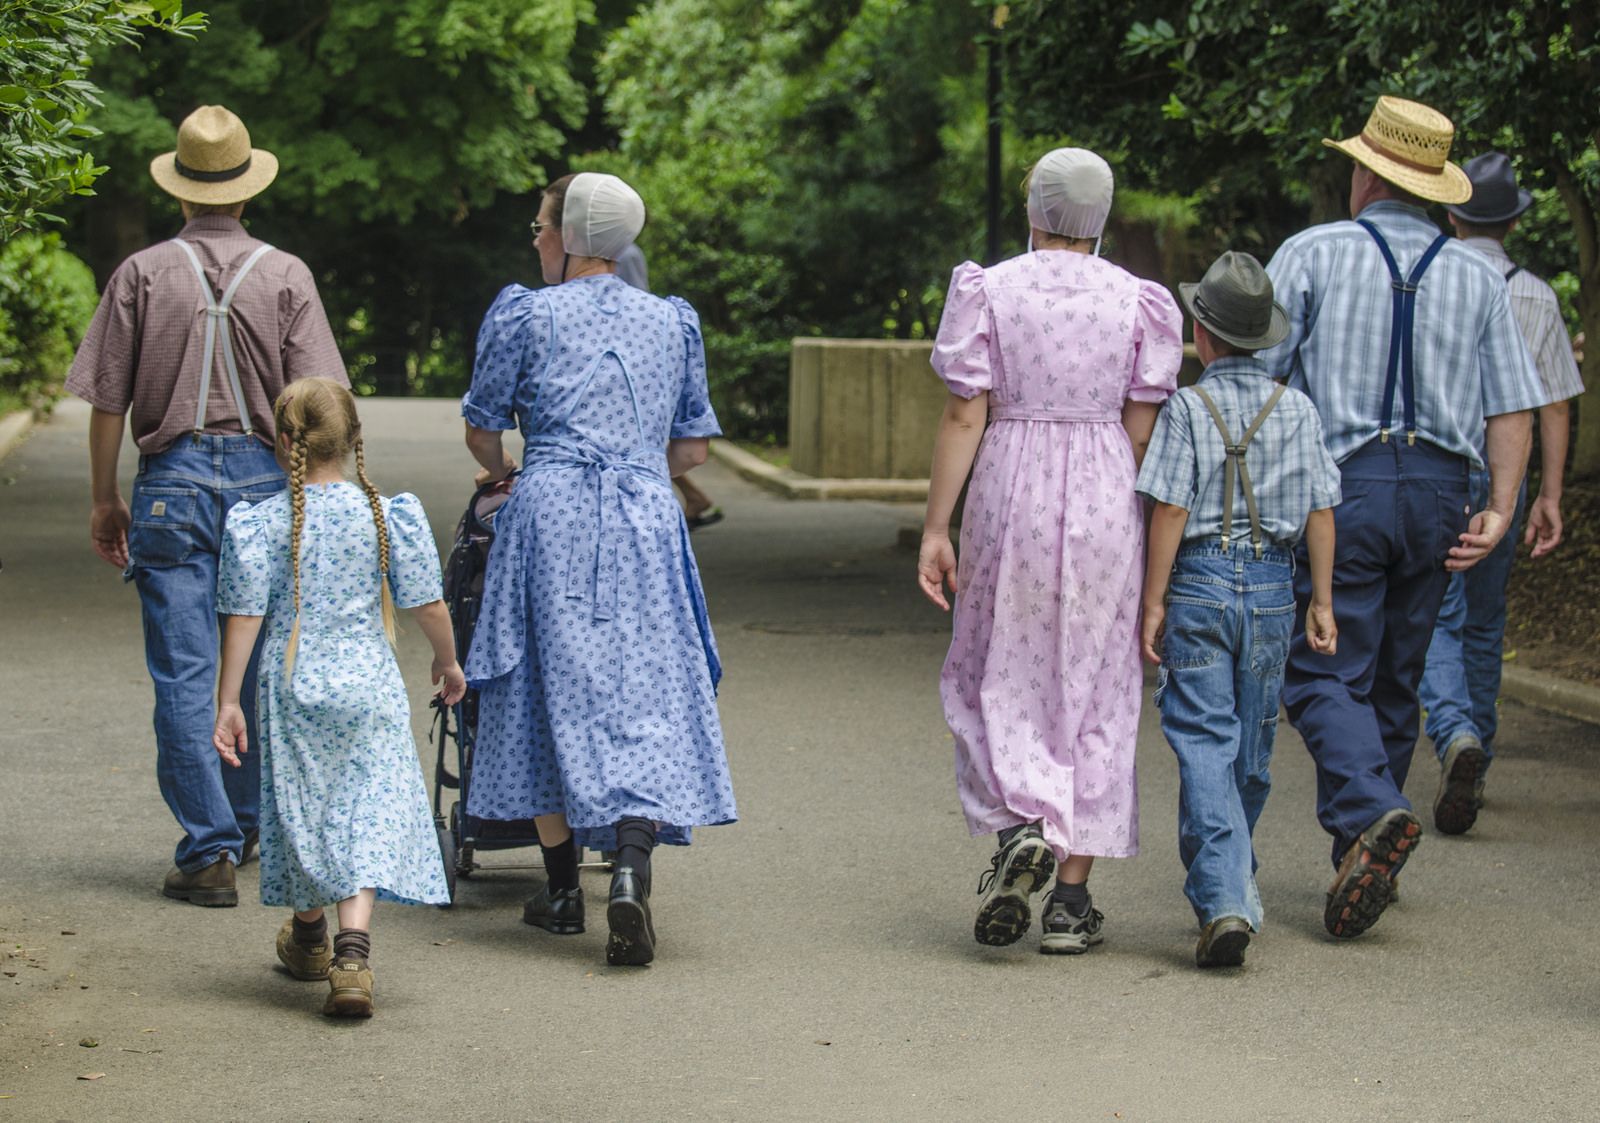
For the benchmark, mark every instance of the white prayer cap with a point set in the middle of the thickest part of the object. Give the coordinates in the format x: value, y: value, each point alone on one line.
x: 1069, y: 193
x: 601, y: 216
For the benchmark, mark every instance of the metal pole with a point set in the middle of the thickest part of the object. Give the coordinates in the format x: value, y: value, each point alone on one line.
x: 996, y: 85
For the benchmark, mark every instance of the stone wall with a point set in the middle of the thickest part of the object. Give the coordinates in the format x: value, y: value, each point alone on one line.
x: 863, y: 408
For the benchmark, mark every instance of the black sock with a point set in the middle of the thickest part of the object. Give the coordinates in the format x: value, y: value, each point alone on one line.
x: 313, y: 934
x: 561, y: 864
x: 635, y: 839
x: 1075, y: 897
x: 352, y: 943
x: 1011, y: 832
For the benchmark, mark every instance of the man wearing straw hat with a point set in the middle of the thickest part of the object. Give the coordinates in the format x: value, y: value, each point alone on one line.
x: 1405, y: 341
x: 193, y: 340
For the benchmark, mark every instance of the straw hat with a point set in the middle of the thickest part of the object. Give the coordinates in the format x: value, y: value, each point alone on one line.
x: 1408, y: 144
x: 214, y: 162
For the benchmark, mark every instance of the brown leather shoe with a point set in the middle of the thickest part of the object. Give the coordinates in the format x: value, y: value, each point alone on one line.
x: 211, y: 887
x: 303, y: 962
x: 249, y: 852
x: 349, y: 989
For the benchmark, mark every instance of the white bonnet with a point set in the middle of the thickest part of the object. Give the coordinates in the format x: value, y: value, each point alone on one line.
x: 601, y: 216
x: 1069, y: 193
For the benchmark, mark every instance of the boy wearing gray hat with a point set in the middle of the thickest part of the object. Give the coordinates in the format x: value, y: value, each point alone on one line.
x: 1238, y: 471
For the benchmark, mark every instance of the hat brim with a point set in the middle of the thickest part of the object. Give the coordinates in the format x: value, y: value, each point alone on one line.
x: 262, y: 171
x: 1449, y: 185
x: 1277, y: 324
x: 1524, y: 201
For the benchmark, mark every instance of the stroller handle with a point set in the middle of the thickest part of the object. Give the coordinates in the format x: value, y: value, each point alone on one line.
x: 501, y: 486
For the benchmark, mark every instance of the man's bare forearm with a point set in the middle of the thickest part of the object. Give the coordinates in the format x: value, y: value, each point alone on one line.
x: 1554, y: 434
x: 1507, y: 438
x: 105, y: 445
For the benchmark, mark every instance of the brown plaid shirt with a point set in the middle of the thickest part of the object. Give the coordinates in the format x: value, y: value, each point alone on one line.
x: 145, y: 346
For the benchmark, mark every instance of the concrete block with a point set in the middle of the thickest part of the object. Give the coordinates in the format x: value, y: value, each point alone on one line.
x: 863, y: 408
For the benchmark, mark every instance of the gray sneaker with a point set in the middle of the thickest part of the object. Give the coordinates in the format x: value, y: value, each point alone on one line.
x: 1066, y: 934
x: 1018, y: 870
x: 1455, y: 808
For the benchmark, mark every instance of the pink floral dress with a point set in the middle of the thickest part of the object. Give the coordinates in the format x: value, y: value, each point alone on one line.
x: 1042, y: 685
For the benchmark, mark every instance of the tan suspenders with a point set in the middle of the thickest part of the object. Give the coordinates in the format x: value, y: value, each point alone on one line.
x: 1235, y: 455
x: 217, y: 324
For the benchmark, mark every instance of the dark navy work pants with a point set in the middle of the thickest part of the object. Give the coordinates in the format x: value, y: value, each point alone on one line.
x: 1404, y: 507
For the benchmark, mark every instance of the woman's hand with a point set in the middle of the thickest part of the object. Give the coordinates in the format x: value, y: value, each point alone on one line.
x: 229, y: 735
x: 936, y: 566
x: 455, y: 683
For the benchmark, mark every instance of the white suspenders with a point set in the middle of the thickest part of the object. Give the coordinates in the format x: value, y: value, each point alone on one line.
x: 217, y: 318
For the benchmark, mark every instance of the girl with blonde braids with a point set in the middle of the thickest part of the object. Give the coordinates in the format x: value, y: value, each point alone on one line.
x: 344, y: 813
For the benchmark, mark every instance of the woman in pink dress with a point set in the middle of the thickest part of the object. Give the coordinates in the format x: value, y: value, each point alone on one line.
x: 1068, y: 358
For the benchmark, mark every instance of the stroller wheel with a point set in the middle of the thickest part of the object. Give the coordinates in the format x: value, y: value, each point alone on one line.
x: 465, y: 861
x: 447, y: 851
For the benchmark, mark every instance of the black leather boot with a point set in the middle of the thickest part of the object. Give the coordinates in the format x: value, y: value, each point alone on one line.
x: 633, y: 937
x: 555, y: 910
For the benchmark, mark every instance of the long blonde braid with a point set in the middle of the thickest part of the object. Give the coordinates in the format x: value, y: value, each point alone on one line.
x: 375, y: 501
x: 319, y: 418
x: 297, y: 502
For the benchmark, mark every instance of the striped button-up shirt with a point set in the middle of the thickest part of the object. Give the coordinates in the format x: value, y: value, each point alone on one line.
x: 1291, y: 471
x: 1538, y: 316
x: 1470, y: 360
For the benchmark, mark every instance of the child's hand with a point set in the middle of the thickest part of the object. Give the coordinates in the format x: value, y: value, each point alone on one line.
x: 229, y: 735
x: 936, y: 565
x: 455, y: 683
x: 1322, y: 631
x: 1155, y: 620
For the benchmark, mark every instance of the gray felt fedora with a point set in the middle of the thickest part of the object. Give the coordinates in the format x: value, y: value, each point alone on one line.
x: 1496, y: 198
x: 1234, y: 301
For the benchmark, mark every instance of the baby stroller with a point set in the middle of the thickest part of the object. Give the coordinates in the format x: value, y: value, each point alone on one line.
x: 455, y: 727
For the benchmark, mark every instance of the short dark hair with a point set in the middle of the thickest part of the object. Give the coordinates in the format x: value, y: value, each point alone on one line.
x: 1221, y: 346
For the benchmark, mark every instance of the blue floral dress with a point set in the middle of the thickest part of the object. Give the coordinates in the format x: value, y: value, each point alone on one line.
x: 593, y: 655
x: 343, y: 805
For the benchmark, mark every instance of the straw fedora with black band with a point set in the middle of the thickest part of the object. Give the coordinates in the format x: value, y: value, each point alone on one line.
x: 1496, y: 198
x: 1234, y: 303
x: 214, y: 163
x: 1408, y: 144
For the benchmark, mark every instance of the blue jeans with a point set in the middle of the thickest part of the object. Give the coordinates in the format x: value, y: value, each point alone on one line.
x: 1461, y: 685
x: 180, y: 498
x: 1229, y: 618
x: 1404, y: 507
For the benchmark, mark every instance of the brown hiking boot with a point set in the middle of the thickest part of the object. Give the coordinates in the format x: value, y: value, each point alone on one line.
x: 349, y: 989
x: 303, y: 962
x: 211, y: 887
x: 1364, y: 885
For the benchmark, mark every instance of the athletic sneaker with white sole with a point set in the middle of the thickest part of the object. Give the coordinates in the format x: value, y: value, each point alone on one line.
x: 1018, y: 870
x: 1066, y: 934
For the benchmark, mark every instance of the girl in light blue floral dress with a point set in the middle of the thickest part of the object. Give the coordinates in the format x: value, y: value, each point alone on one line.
x: 344, y: 812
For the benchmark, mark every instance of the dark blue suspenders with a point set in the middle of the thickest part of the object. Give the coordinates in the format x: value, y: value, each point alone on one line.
x: 1401, y: 368
x: 1515, y: 269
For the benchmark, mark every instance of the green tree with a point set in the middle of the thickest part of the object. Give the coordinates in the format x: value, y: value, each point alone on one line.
x: 45, y: 48
x: 1232, y: 100
x: 409, y: 133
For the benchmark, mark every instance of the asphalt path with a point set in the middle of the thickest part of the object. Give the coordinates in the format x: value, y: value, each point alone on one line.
x: 816, y: 959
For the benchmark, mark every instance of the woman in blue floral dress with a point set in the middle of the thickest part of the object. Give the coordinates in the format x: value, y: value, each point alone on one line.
x: 344, y: 813
x: 593, y: 653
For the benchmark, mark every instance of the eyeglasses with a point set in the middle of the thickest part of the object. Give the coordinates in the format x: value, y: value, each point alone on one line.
x: 539, y: 227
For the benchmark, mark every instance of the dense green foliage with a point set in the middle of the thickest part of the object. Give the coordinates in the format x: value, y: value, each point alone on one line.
x: 45, y: 49
x: 46, y: 299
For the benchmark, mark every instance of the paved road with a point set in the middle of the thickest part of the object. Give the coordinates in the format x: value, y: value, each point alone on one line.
x: 816, y: 959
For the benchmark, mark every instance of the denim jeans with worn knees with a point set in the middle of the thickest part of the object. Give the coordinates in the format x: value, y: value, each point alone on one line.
x: 1229, y: 618
x: 181, y: 498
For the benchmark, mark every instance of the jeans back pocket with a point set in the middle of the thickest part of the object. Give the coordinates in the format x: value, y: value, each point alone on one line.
x: 1193, y: 633
x: 162, y: 531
